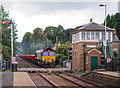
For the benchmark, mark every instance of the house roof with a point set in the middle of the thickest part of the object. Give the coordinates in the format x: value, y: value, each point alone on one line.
x: 95, y: 26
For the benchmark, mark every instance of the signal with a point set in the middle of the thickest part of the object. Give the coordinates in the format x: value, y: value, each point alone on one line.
x: 69, y: 48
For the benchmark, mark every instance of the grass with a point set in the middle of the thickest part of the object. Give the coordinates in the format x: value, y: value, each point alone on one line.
x: 7, y: 71
x: 58, y: 66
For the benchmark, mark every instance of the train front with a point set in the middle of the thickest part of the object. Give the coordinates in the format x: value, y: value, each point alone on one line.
x: 48, y: 57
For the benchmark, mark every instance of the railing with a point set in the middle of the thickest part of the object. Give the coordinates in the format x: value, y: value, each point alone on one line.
x: 110, y: 48
x: 102, y: 46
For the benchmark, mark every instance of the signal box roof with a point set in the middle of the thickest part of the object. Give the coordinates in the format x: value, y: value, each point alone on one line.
x: 92, y: 26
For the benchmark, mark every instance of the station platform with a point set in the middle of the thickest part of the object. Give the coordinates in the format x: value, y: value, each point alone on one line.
x: 22, y: 79
x: 115, y: 74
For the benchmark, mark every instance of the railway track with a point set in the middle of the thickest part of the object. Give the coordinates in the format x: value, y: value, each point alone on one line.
x: 23, y: 62
x: 57, y: 80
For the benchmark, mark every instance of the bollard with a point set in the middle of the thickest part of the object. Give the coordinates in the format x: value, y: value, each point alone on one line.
x: 14, y: 66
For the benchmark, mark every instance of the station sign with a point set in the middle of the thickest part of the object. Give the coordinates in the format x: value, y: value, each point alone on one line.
x: 13, y: 59
x: 108, y: 60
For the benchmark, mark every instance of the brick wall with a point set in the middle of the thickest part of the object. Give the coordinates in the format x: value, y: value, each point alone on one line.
x: 78, y: 63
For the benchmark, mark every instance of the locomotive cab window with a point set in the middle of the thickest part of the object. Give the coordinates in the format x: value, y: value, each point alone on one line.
x: 45, y: 53
x: 52, y: 53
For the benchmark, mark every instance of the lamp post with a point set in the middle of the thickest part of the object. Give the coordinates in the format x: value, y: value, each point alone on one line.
x: 103, y: 5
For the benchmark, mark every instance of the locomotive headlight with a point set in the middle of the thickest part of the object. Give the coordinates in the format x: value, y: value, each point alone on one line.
x: 43, y: 59
x: 52, y: 59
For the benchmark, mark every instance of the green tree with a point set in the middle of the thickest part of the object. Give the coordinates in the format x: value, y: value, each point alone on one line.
x: 37, y: 35
x: 6, y: 35
x: 51, y: 33
x: 112, y: 21
x: 108, y: 21
x: 26, y: 42
x: 117, y: 24
x: 62, y: 51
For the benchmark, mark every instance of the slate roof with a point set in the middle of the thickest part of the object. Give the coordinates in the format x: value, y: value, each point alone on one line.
x: 95, y: 27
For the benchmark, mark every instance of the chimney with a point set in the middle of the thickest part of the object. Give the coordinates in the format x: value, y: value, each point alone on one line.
x: 90, y: 20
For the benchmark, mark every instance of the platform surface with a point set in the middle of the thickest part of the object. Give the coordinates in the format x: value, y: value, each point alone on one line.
x: 7, y: 79
x: 110, y: 73
x: 22, y: 79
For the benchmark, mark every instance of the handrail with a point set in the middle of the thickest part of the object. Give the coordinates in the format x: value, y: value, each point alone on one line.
x: 110, y: 49
x: 102, y: 46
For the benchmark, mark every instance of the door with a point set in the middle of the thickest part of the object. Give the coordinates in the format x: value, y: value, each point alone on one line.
x: 94, y: 62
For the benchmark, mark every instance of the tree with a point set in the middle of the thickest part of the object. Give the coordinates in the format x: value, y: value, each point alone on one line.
x: 108, y: 21
x: 62, y: 51
x: 51, y: 33
x: 113, y: 21
x: 117, y: 24
x: 6, y: 35
x: 26, y: 42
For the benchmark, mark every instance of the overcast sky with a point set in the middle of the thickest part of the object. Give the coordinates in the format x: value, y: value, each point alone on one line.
x: 34, y: 13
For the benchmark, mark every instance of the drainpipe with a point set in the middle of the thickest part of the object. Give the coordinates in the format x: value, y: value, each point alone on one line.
x: 84, y: 57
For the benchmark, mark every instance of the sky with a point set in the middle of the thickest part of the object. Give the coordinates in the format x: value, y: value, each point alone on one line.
x: 31, y: 14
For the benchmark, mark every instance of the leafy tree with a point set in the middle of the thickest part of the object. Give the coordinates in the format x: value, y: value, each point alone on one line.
x: 51, y: 33
x: 6, y: 35
x: 37, y: 35
x: 108, y: 21
x: 117, y: 24
x: 113, y: 21
x: 69, y: 35
x: 62, y: 51
x: 26, y: 42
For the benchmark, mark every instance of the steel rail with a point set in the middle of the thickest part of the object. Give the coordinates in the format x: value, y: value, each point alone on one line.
x: 71, y: 81
x: 33, y: 80
x: 48, y: 80
x: 95, y: 84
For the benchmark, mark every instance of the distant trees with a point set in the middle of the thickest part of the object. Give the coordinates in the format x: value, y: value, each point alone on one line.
x: 35, y: 41
x: 6, y: 35
x: 42, y: 39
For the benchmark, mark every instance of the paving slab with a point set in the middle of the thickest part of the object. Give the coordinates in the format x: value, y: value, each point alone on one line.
x: 22, y: 79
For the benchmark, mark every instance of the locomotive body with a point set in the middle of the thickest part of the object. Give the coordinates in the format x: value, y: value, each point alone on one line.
x: 46, y: 57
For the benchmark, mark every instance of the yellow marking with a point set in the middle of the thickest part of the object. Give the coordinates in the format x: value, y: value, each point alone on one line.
x: 48, y: 58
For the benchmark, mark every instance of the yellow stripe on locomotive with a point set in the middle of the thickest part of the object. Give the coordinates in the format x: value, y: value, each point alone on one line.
x: 48, y: 59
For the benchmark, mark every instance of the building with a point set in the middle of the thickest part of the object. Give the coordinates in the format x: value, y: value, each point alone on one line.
x: 88, y: 53
x: 119, y: 7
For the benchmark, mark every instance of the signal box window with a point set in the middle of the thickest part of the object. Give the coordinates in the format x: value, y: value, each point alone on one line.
x: 92, y: 35
x: 52, y: 54
x: 75, y: 55
x: 83, y: 35
x: 88, y: 36
x: 45, y: 53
